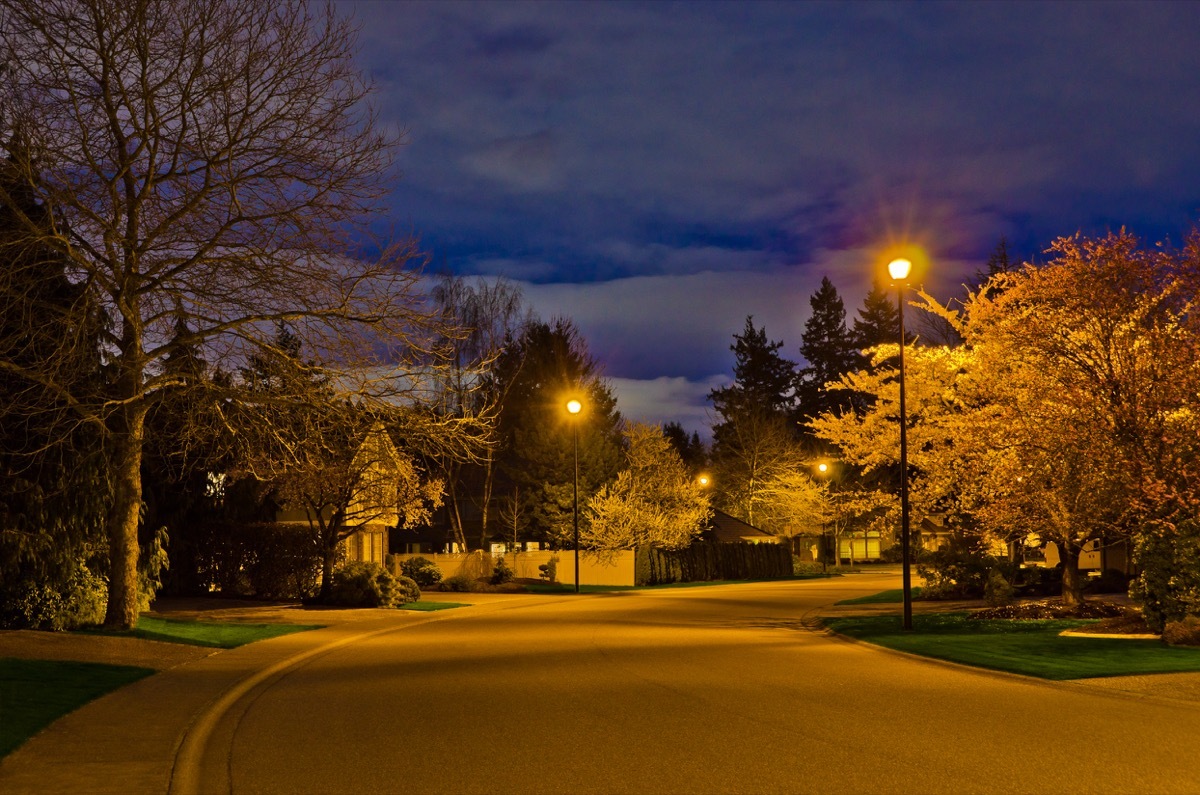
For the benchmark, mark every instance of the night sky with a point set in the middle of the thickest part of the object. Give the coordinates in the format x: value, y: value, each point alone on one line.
x: 656, y: 171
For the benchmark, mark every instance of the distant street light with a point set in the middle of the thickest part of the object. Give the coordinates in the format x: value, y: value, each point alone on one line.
x: 899, y: 270
x: 703, y: 480
x: 573, y: 408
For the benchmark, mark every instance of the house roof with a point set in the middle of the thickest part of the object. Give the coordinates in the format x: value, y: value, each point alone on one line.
x: 729, y: 529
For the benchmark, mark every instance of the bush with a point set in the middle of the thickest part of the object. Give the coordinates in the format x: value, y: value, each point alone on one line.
x: 548, y: 571
x: 423, y: 571
x: 459, y: 582
x: 998, y: 591
x: 78, y: 601
x: 802, y: 567
x: 1039, y: 581
x: 1185, y: 632
x: 1169, y: 585
x: 958, y: 571
x: 1109, y: 581
x: 407, y: 591
x: 501, y: 573
x: 365, y: 585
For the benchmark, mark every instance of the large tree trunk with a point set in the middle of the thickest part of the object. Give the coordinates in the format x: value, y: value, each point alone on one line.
x: 1072, y: 581
x: 127, y: 429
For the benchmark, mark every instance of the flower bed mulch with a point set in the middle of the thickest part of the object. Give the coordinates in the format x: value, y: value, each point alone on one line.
x: 1114, y: 618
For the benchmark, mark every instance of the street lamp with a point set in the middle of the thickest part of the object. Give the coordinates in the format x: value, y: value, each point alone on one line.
x: 573, y: 408
x: 899, y: 270
x: 823, y: 470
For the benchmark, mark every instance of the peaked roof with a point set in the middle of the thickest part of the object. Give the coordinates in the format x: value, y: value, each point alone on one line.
x: 729, y: 529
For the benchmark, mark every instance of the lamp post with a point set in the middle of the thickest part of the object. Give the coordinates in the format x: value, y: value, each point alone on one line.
x: 899, y: 270
x: 823, y: 469
x: 573, y: 408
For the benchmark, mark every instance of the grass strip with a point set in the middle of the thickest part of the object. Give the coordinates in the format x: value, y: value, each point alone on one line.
x: 215, y: 635
x: 429, y: 607
x: 1032, y: 648
x: 35, y: 693
x: 895, y: 596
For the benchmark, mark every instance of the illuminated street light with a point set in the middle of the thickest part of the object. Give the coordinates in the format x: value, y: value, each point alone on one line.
x: 573, y: 408
x: 899, y: 270
x: 826, y: 544
x: 703, y: 480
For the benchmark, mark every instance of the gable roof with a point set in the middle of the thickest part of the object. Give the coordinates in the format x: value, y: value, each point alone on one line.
x: 729, y: 529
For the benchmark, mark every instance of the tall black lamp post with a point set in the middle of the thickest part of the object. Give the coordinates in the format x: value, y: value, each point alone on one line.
x: 899, y: 270
x: 573, y: 408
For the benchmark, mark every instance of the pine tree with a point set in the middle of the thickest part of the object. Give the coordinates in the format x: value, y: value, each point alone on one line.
x: 830, y: 350
x: 762, y: 379
x: 756, y: 435
x: 53, y: 482
x: 536, y: 375
x: 878, y: 320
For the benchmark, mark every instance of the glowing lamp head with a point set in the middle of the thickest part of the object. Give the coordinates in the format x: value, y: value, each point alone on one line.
x: 574, y: 406
x: 899, y: 269
x: 703, y: 480
x: 823, y: 468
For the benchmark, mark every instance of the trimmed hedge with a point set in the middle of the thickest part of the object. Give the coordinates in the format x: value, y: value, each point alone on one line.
x: 711, y: 561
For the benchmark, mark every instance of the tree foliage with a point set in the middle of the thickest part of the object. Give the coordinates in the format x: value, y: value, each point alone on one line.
x: 1069, y: 412
x: 830, y: 351
x: 654, y: 501
x: 538, y: 373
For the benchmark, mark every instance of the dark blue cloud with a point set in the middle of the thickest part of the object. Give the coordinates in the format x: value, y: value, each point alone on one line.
x: 733, y: 153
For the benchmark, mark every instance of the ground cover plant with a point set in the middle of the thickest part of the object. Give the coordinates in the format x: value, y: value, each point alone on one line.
x: 35, y: 693
x: 204, y: 633
x: 1033, y: 647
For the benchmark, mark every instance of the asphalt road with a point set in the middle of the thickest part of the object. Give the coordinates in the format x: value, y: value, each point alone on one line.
x: 699, y: 690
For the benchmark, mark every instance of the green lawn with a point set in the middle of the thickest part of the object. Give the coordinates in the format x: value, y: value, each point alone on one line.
x: 429, y: 607
x: 204, y: 633
x: 1032, y: 648
x: 35, y: 693
x: 895, y: 596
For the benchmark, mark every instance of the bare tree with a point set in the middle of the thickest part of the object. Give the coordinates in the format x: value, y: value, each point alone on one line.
x: 207, y: 164
x: 489, y: 316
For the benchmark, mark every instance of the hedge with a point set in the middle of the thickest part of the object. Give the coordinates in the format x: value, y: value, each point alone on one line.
x: 712, y: 561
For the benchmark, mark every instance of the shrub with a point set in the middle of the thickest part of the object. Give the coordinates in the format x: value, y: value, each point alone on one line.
x: 459, y: 582
x: 1109, y: 581
x: 423, y: 571
x: 364, y: 585
x: 407, y: 591
x: 548, y: 571
x: 806, y: 567
x: 78, y: 601
x: 998, y: 591
x: 1169, y: 585
x: 957, y: 571
x: 501, y: 573
x: 1184, y: 632
x: 1039, y: 581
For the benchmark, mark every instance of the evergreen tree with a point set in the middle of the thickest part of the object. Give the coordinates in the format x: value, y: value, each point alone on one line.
x: 762, y: 379
x: 53, y: 482
x: 537, y: 374
x: 691, y: 450
x: 878, y: 320
x: 830, y: 350
x: 756, y: 435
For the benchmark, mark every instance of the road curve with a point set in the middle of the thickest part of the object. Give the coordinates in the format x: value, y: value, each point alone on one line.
x: 697, y: 690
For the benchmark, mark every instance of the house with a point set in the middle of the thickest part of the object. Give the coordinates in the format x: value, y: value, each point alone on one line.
x: 373, y: 477
x: 729, y: 529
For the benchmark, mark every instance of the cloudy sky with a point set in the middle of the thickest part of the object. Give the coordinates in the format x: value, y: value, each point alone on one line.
x: 656, y: 171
